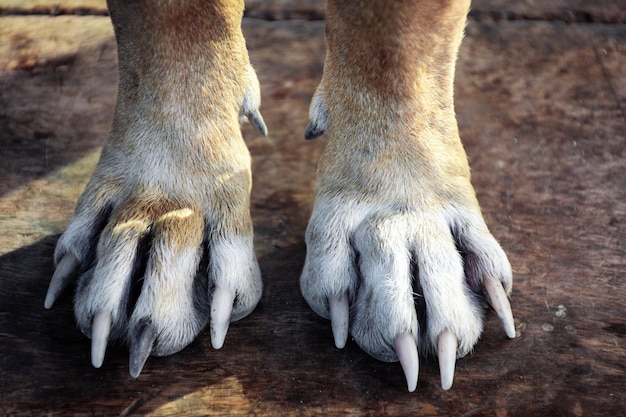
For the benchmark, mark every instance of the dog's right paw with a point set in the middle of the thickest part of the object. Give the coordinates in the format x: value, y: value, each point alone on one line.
x: 137, y: 261
x: 161, y: 239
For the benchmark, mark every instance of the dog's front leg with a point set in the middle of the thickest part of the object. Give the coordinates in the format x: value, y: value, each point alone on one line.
x: 172, y: 186
x: 398, y: 253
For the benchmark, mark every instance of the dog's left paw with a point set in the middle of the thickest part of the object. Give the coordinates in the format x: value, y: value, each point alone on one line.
x: 398, y: 253
x: 403, y: 280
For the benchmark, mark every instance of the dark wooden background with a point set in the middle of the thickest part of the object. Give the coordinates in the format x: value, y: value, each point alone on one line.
x: 541, y: 96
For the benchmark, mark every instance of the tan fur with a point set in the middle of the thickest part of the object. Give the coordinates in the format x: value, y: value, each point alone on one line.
x: 394, y: 204
x: 391, y: 68
x: 188, y: 101
x: 397, y: 251
x: 174, y: 169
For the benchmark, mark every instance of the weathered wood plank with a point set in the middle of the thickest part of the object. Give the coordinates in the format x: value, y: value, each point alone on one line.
x: 600, y: 11
x: 53, y: 7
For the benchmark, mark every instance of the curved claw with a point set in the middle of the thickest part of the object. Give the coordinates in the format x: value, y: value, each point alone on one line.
x: 140, y: 348
x: 500, y: 303
x: 221, y: 307
x: 60, y: 278
x: 339, y: 318
x: 99, y: 337
x: 446, y: 351
x: 406, y: 349
x: 313, y: 131
x: 256, y: 120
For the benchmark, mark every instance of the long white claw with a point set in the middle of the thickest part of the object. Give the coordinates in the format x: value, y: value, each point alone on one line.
x: 61, y: 277
x: 500, y: 303
x: 99, y: 337
x: 446, y: 350
x: 221, y: 307
x: 140, y: 348
x: 339, y: 318
x: 406, y: 349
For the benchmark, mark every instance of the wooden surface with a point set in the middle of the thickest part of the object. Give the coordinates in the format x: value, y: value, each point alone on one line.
x: 541, y: 111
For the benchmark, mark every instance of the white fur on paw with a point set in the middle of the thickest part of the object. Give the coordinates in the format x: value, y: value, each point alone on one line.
x: 161, y: 310
x: 403, y: 273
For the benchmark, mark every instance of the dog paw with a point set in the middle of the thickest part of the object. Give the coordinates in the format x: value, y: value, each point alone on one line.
x: 404, y: 279
x: 161, y: 241
x: 137, y: 262
x: 398, y: 253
